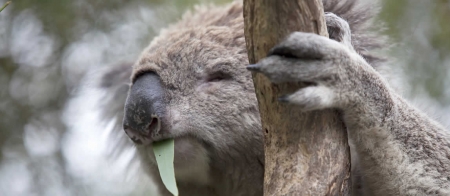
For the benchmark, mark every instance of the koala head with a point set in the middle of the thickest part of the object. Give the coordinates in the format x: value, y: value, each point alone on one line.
x: 191, y: 85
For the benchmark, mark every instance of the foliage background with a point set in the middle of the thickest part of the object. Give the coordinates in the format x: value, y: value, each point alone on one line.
x: 47, y: 47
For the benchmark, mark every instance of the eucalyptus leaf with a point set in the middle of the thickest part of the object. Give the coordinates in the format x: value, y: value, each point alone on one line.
x: 164, y: 153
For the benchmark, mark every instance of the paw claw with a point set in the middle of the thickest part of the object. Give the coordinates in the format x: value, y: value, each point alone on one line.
x: 254, y: 67
x: 283, y: 99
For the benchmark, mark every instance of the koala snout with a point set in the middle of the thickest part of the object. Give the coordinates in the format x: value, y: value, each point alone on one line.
x: 144, y: 109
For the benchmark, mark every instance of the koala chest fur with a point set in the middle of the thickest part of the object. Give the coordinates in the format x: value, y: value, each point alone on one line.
x: 191, y: 84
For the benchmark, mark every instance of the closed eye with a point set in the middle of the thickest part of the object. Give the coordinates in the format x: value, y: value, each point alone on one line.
x: 218, y: 76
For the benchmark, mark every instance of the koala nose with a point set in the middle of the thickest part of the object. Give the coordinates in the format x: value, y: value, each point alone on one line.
x: 144, y: 108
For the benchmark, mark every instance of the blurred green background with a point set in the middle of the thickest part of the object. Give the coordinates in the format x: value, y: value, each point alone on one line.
x: 48, y: 46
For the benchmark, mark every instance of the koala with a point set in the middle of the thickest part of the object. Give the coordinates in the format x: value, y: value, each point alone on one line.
x: 193, y: 84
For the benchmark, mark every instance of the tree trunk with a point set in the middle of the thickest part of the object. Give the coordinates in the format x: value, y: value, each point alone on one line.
x: 305, y: 153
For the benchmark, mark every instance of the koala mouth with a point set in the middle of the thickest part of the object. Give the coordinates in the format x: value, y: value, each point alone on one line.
x: 138, y: 138
x: 147, y: 134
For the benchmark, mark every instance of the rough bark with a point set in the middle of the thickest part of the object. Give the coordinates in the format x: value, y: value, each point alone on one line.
x: 305, y: 153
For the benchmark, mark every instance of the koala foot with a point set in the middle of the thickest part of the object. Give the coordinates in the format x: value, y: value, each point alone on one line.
x: 311, y: 98
x: 311, y: 59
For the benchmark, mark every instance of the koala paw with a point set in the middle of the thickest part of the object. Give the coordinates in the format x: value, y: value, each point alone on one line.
x: 314, y: 60
x: 311, y: 98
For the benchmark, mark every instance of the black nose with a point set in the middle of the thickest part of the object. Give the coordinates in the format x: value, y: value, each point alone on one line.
x: 144, y: 108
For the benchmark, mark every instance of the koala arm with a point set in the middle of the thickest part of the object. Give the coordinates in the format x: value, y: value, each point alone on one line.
x: 401, y: 151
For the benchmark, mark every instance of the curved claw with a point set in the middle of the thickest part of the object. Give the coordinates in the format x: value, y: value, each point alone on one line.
x: 283, y: 99
x: 254, y: 67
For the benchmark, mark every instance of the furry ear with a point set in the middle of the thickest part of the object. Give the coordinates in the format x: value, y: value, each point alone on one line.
x: 115, y: 83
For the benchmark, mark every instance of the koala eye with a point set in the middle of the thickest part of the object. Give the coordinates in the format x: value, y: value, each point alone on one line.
x: 218, y: 76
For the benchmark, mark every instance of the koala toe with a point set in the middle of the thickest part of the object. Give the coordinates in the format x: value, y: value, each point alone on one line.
x: 338, y: 29
x: 280, y: 69
x: 311, y: 98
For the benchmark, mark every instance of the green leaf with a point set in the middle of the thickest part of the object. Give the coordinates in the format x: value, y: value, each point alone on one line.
x: 164, y: 153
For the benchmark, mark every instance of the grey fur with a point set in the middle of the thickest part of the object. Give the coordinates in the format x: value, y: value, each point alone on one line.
x: 216, y: 122
x: 400, y: 150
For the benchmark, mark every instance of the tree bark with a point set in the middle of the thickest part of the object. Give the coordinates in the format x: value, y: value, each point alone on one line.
x: 305, y: 153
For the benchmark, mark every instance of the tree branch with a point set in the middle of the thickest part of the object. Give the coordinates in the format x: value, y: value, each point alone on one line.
x: 305, y: 153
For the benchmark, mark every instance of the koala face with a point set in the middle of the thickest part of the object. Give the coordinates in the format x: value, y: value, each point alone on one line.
x: 192, y: 86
